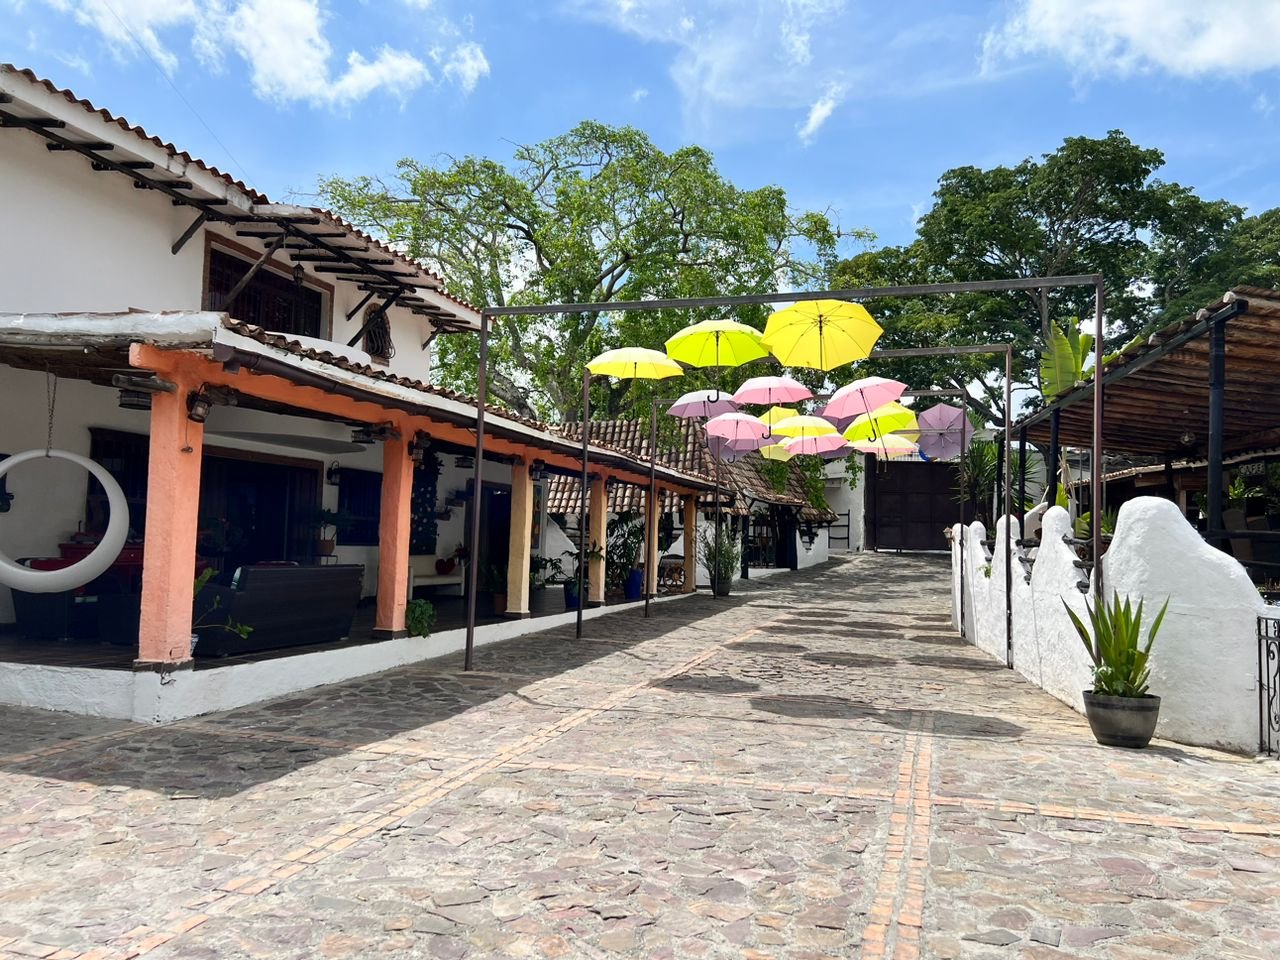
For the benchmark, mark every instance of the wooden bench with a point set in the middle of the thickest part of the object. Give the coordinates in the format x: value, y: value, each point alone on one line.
x: 423, y: 573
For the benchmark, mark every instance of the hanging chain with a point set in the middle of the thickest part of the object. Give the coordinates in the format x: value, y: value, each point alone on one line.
x: 51, y: 397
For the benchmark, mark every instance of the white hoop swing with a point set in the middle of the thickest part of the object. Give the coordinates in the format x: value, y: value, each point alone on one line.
x: 96, y: 563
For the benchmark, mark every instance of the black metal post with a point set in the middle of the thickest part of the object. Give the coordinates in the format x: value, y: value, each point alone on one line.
x: 651, y: 509
x: 1008, y: 507
x: 477, y: 501
x: 714, y: 572
x: 1022, y: 483
x: 1095, y: 462
x: 585, y: 512
x: 997, y: 497
x: 964, y: 498
x: 1055, y: 421
x: 746, y: 544
x: 1217, y: 389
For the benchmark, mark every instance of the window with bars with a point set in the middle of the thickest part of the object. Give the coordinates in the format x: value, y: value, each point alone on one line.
x: 271, y: 301
x: 360, y: 498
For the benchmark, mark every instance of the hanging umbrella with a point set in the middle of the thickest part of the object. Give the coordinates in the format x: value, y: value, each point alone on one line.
x: 889, y: 445
x: 630, y: 363
x: 737, y: 426
x: 822, y: 334
x: 891, y: 418
x: 771, y: 390
x: 716, y: 343
x: 776, y: 451
x: 803, y: 426
x: 775, y: 415
x: 702, y: 403
x: 817, y: 445
x: 945, y: 432
x: 729, y: 450
x: 862, y: 396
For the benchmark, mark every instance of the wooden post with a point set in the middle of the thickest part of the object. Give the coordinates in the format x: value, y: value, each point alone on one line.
x: 598, y: 519
x: 393, y: 539
x: 173, y: 517
x: 521, y: 541
x: 690, y: 543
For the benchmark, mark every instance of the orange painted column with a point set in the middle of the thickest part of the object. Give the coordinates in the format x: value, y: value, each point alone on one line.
x: 393, y: 538
x: 598, y: 524
x: 651, y: 515
x: 173, y: 517
x: 520, y: 542
x: 690, y: 544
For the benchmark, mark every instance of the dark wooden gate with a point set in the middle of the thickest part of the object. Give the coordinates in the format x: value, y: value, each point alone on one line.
x: 910, y: 503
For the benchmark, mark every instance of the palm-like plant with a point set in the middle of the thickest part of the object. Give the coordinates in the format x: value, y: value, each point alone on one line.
x: 1120, y: 660
x: 1062, y: 361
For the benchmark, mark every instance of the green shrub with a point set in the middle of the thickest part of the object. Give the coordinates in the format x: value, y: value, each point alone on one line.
x: 419, y: 618
x: 1120, y: 664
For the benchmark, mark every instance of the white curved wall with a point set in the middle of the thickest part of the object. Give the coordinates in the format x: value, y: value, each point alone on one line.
x: 1204, y: 662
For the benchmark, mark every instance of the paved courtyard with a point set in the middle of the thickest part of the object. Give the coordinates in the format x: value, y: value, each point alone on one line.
x: 816, y: 767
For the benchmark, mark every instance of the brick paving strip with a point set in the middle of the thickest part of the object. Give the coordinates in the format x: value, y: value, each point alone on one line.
x: 412, y: 798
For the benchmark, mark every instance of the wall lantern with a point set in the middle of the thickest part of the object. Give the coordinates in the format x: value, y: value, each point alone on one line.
x: 418, y: 448
x: 333, y: 476
x: 373, y: 433
x: 135, y: 392
x: 537, y: 470
x: 198, y: 406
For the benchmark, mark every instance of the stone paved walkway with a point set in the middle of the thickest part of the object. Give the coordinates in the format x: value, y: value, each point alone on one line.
x: 815, y: 768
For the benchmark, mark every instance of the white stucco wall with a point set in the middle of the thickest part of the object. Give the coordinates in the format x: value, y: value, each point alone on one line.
x: 1204, y: 662
x: 810, y: 555
x: 843, y: 498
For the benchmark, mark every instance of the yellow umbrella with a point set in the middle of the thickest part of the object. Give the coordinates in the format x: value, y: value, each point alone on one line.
x: 803, y: 426
x: 635, y: 363
x: 822, y: 334
x: 778, y: 414
x: 776, y: 451
x: 716, y: 343
x: 892, y: 418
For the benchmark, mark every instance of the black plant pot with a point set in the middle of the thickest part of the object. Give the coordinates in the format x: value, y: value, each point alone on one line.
x: 1122, y: 721
x: 720, y: 586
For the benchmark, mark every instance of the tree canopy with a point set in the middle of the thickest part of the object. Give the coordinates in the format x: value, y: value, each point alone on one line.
x: 1091, y: 206
x: 594, y: 215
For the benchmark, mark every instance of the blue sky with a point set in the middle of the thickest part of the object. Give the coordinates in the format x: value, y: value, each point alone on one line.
x: 852, y: 105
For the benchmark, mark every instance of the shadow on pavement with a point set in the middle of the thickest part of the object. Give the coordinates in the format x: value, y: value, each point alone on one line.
x: 945, y: 722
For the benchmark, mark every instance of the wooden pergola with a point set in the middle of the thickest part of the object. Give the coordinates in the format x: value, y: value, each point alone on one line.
x: 1204, y: 387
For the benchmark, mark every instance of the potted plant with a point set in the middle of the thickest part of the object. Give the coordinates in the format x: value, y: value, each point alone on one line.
x: 1121, y: 713
x: 721, y: 556
x: 419, y: 618
x: 622, y: 550
x: 571, y: 598
x: 493, y: 581
x: 328, y: 524
x: 542, y: 569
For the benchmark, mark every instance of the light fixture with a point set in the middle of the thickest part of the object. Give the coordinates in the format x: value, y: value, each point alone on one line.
x: 464, y: 461
x: 299, y: 271
x: 135, y: 400
x: 333, y: 476
x: 198, y: 406
x: 135, y: 392
x: 371, y: 433
x: 537, y: 470
x: 1187, y: 438
x: 418, y: 447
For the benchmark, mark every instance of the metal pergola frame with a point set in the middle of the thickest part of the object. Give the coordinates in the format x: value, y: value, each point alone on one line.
x: 1042, y: 284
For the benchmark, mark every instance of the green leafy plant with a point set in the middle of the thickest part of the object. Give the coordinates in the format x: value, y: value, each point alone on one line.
x: 986, y: 570
x: 622, y: 548
x: 204, y: 619
x: 419, y: 618
x: 544, y: 569
x: 1120, y: 660
x: 1084, y: 524
x: 493, y: 578
x: 720, y: 555
x: 1062, y: 360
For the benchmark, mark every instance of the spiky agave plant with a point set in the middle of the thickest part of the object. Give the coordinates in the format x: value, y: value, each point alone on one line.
x: 1120, y: 660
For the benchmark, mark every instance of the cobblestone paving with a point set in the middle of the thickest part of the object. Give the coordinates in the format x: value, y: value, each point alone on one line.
x: 817, y: 767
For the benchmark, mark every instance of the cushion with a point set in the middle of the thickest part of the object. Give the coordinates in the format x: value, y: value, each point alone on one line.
x: 445, y: 565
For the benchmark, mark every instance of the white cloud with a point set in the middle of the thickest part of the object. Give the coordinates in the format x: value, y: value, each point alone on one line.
x: 821, y: 111
x: 639, y: 93
x: 466, y: 65
x: 285, y: 44
x: 1186, y: 38
x: 735, y: 54
x: 1264, y: 105
x: 289, y: 56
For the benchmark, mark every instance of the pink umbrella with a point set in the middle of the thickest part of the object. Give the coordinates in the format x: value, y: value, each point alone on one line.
x: 771, y: 390
x: 945, y: 431
x: 702, y: 403
x: 862, y: 396
x: 828, y: 443
x: 737, y: 426
x: 731, y: 450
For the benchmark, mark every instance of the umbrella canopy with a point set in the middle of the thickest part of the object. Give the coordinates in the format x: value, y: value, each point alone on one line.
x: 889, y: 445
x: 635, y: 363
x: 702, y: 403
x: 862, y: 396
x: 803, y: 426
x: 778, y: 414
x: 819, y: 445
x: 891, y: 418
x: 716, y: 343
x: 729, y: 450
x: 771, y: 390
x: 945, y: 432
x: 737, y: 426
x: 822, y: 334
x: 776, y: 451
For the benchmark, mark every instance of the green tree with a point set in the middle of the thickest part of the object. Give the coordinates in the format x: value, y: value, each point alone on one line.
x: 594, y: 215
